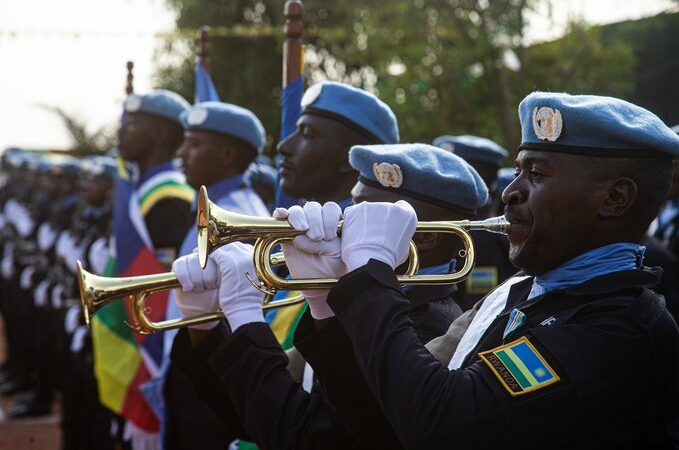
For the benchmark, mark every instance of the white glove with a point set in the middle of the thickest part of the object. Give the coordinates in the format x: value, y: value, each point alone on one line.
x: 40, y: 294
x: 46, y: 236
x: 58, y: 296
x: 26, y: 278
x: 379, y: 231
x: 199, y: 294
x: 78, y: 340
x: 98, y: 256
x: 72, y: 319
x: 7, y: 265
x: 140, y: 439
x: 317, y: 253
x: 240, y: 301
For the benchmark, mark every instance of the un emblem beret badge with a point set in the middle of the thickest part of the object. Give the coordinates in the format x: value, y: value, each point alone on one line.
x: 449, y: 146
x: 311, y: 95
x: 547, y: 123
x: 388, y: 175
x: 197, y: 117
x: 132, y: 103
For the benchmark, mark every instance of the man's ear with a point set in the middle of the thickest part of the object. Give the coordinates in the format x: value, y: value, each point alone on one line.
x: 621, y: 195
x: 427, y: 241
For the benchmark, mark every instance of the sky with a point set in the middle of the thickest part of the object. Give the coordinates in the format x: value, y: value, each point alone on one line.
x: 72, y: 54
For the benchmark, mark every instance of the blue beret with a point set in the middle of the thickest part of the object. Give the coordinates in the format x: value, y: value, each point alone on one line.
x: 473, y: 148
x: 71, y: 166
x: 675, y: 129
x: 504, y: 177
x: 423, y: 172
x: 593, y: 125
x: 356, y: 108
x: 161, y: 103
x: 262, y: 174
x: 227, y: 119
x: 100, y: 166
x: 44, y: 165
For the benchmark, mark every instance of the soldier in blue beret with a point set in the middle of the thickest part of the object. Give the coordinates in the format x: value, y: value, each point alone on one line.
x: 440, y: 186
x: 666, y: 226
x: 221, y: 140
x: 334, y: 118
x: 484, y: 155
x: 262, y: 177
x: 662, y: 243
x: 492, y: 264
x: 576, y: 351
x: 149, y: 137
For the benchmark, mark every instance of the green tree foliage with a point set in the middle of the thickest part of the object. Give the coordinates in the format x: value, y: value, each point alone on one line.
x: 656, y: 48
x: 445, y: 66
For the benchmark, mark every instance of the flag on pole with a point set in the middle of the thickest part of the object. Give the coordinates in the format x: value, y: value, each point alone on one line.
x: 292, y: 109
x: 125, y: 360
x: 205, y: 88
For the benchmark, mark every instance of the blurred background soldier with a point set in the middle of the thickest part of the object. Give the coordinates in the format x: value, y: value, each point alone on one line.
x: 261, y: 177
x: 492, y: 263
x: 85, y: 422
x: 335, y: 117
x: 221, y: 141
x: 314, y: 160
x: 152, y: 213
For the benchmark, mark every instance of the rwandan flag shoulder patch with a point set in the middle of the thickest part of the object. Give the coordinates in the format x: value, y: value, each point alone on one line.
x: 519, y: 367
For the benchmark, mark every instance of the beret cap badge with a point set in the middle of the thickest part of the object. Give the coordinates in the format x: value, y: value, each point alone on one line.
x: 547, y: 123
x: 389, y: 175
x: 311, y: 95
x: 132, y: 103
x: 197, y: 116
x: 449, y: 146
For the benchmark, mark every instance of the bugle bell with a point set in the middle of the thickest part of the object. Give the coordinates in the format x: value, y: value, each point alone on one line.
x: 98, y: 291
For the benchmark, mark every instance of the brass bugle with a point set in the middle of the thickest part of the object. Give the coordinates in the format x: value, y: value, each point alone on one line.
x: 218, y: 226
x: 98, y: 291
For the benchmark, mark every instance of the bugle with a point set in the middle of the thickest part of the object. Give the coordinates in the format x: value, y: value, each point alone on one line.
x: 98, y: 291
x: 217, y: 227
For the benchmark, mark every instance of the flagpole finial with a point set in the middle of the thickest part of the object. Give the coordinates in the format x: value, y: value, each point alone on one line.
x: 204, y: 48
x: 293, y: 60
x: 129, y: 87
x: 293, y: 11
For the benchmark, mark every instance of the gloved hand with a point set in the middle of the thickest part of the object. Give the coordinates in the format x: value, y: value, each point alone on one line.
x: 380, y: 231
x: 317, y: 253
x: 199, y: 293
x: 140, y: 439
x: 240, y: 301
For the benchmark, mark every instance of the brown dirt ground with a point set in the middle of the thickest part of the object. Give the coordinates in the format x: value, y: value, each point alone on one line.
x: 35, y: 434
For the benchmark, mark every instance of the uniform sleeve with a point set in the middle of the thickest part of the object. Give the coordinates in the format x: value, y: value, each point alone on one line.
x: 273, y: 409
x: 167, y: 223
x: 330, y: 353
x: 192, y: 364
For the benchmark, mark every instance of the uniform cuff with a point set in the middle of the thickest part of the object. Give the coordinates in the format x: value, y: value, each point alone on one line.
x: 255, y: 334
x: 374, y: 274
x: 185, y: 356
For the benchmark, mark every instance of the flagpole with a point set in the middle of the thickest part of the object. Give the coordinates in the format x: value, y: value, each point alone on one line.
x: 293, y: 83
x: 204, y: 48
x: 293, y: 59
x: 129, y: 87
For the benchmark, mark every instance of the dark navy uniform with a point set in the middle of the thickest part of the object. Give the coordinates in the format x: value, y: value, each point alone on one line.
x: 609, y: 344
x: 304, y: 420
